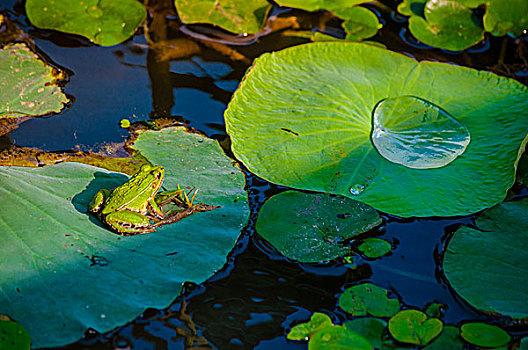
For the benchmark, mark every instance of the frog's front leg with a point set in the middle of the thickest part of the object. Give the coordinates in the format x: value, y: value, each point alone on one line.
x: 97, y: 201
x: 129, y: 222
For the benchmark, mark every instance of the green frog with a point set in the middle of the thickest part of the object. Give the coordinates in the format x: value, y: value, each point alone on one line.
x: 130, y: 208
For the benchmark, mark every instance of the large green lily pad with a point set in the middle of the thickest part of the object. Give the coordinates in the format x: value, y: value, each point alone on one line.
x: 63, y: 272
x: 311, y: 227
x: 237, y: 16
x: 28, y: 84
x: 105, y: 22
x: 302, y: 117
x: 487, y: 266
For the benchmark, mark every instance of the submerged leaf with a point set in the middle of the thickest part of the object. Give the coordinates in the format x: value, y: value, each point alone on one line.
x: 449, y: 339
x: 105, y: 22
x: 28, y: 84
x: 374, y: 247
x: 302, y: 118
x: 487, y: 266
x: 63, y: 272
x: 310, y: 227
x: 370, y: 328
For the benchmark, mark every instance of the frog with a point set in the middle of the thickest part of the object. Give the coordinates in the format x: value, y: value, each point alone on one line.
x: 132, y: 208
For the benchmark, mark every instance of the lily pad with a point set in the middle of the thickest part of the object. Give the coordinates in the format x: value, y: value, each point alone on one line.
x: 302, y: 117
x: 360, y: 23
x: 370, y: 328
x: 62, y: 272
x: 413, y: 327
x: 313, y: 5
x: 13, y: 336
x: 506, y: 17
x: 28, y: 84
x: 105, y: 22
x: 484, y: 335
x: 448, y: 24
x: 310, y: 227
x: 367, y: 298
x: 306, y: 330
x: 338, y: 338
x: 237, y: 16
x: 374, y: 247
x: 449, y: 339
x: 487, y: 266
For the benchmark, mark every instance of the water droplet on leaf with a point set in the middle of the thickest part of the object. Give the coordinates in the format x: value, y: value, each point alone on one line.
x: 357, y: 189
x: 416, y: 133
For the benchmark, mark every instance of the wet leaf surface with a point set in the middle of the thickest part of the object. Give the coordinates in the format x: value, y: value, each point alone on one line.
x: 367, y: 298
x: 484, y: 335
x: 312, y: 227
x: 413, y: 327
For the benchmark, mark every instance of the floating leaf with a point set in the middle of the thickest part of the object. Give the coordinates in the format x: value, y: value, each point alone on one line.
x: 28, y: 84
x: 448, y: 24
x: 374, y: 247
x: 306, y: 330
x: 412, y: 7
x: 484, y: 335
x: 313, y: 5
x: 413, y: 327
x: 302, y: 118
x: 105, y: 22
x: 63, y: 272
x: 435, y: 310
x: 370, y: 328
x: 367, y: 298
x: 310, y: 227
x: 505, y: 17
x: 338, y: 338
x: 237, y: 16
x: 487, y: 266
x: 360, y: 23
x: 449, y: 339
x: 13, y: 336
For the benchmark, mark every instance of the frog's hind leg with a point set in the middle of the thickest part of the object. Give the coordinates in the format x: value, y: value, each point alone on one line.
x: 129, y: 222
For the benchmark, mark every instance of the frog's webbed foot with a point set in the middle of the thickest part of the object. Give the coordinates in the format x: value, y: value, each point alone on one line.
x: 177, y: 197
x: 178, y: 215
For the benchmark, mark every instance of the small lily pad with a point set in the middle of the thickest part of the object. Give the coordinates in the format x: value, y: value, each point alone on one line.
x: 360, y: 23
x: 506, y: 17
x: 413, y: 327
x: 313, y: 5
x: 484, y: 335
x: 13, y: 336
x: 370, y: 328
x: 105, y: 22
x: 237, y: 16
x: 448, y: 24
x: 28, y: 84
x: 306, y: 330
x: 367, y: 298
x: 374, y: 247
x: 310, y: 227
x: 449, y: 339
x: 338, y: 338
x: 487, y: 266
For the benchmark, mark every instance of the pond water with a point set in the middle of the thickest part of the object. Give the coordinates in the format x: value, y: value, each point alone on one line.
x: 258, y: 295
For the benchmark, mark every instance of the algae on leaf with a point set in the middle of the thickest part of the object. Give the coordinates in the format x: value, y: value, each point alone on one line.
x: 487, y: 265
x: 311, y: 227
x: 28, y: 84
x: 62, y: 272
x: 237, y: 16
x: 105, y: 22
x: 302, y: 117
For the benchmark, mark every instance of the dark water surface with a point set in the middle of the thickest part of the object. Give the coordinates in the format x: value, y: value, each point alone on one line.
x: 259, y: 295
